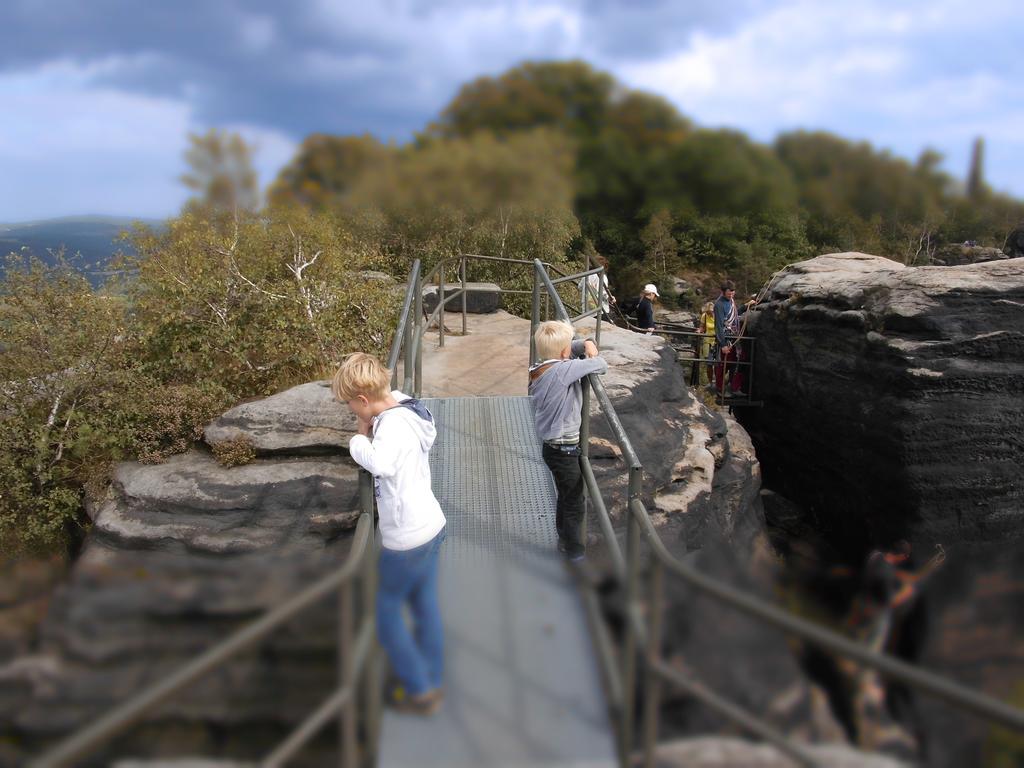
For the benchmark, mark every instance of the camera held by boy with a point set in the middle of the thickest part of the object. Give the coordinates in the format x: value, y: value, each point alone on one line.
x: 393, y: 442
x: 558, y: 398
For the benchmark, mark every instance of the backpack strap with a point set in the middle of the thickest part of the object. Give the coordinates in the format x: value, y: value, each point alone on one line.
x: 536, y: 372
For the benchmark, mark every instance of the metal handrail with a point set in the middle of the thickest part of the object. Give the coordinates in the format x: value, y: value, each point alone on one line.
x: 360, y: 562
x: 437, y: 272
x: 637, y: 631
x: 407, y: 336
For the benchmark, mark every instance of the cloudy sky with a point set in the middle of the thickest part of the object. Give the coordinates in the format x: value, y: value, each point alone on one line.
x: 97, y: 97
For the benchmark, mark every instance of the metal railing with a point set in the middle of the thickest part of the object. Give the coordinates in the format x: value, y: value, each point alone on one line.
x: 644, y: 629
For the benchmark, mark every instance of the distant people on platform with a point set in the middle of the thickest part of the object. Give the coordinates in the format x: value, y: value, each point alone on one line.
x: 645, y: 309
x: 728, y: 337
x: 395, y: 433
x: 704, y: 346
x: 558, y: 399
x: 592, y: 285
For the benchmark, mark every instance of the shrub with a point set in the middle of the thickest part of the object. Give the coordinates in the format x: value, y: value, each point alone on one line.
x: 234, y: 453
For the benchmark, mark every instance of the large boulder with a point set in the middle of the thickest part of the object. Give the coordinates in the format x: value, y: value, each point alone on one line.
x: 302, y: 420
x: 1014, y: 245
x: 893, y: 396
x: 481, y: 298
x: 722, y: 752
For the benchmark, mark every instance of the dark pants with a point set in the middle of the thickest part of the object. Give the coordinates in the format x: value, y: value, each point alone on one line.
x: 736, y: 354
x: 564, y: 463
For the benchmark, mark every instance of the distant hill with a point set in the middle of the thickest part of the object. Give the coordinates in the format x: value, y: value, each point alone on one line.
x: 88, y: 241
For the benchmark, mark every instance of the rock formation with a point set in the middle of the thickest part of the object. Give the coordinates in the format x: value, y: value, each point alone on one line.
x: 893, y: 408
x: 899, y: 391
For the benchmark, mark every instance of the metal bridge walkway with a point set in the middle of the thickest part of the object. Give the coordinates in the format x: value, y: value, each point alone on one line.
x: 522, y: 685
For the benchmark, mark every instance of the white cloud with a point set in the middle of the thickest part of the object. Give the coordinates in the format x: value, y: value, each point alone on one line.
x: 69, y: 148
x: 904, y: 79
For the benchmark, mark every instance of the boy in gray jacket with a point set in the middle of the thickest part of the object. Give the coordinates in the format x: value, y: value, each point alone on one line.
x: 558, y: 398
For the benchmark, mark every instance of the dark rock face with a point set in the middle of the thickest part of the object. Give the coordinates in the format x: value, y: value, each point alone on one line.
x: 974, y: 610
x: 893, y: 409
x: 899, y: 391
x: 1014, y: 246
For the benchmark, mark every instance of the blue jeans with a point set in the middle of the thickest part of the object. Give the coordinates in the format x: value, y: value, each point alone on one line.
x: 409, y: 577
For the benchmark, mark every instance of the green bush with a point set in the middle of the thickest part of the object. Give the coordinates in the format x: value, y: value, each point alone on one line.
x: 216, y: 310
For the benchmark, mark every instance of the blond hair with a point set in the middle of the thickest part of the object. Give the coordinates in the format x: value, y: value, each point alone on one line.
x: 709, y: 307
x: 361, y: 374
x: 552, y: 337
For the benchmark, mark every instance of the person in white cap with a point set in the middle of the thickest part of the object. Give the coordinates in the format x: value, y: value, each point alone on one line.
x: 645, y: 309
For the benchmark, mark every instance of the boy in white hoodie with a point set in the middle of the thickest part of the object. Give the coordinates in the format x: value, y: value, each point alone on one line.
x: 411, y: 525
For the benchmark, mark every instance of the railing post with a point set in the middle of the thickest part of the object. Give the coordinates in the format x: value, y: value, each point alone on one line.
x: 750, y: 367
x: 347, y: 748
x: 534, y: 314
x: 463, y: 295
x: 630, y: 602
x: 440, y: 298
x: 585, y: 451
x: 409, y: 366
x: 418, y: 337
x: 585, y: 284
x: 652, y: 681
x: 371, y: 676
x: 600, y: 305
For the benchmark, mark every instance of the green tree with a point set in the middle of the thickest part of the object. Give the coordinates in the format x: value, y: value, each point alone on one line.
x: 275, y: 300
x: 327, y: 167
x: 221, y: 172
x: 507, y: 197
x: 569, y: 96
x: 662, y: 248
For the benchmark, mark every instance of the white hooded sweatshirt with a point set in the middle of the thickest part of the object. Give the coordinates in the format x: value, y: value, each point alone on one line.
x: 397, y: 458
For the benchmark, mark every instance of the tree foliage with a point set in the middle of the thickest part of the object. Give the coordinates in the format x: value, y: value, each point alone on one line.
x: 266, y: 302
x: 215, y: 310
x: 326, y: 168
x: 74, y: 400
x: 221, y: 172
x: 510, y: 198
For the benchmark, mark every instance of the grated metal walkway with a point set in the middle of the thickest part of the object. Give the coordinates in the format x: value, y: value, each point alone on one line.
x: 521, y: 679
